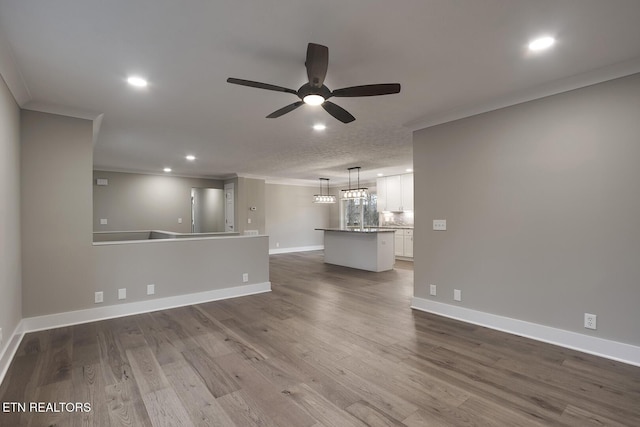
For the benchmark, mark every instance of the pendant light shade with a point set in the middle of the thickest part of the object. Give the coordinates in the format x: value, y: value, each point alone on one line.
x: 357, y: 193
x: 324, y: 198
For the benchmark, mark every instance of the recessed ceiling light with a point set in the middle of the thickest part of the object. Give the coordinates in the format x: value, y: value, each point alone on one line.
x: 542, y: 43
x: 167, y: 169
x: 319, y: 126
x: 380, y: 174
x: 137, y: 81
x: 409, y: 170
x: 190, y: 157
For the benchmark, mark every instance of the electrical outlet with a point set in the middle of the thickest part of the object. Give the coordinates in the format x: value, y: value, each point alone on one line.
x: 590, y: 321
x: 457, y: 295
x: 432, y: 290
x: 99, y: 297
x: 103, y: 221
x: 151, y: 289
x: 277, y: 244
x: 179, y: 220
x: 122, y: 293
x: 245, y: 277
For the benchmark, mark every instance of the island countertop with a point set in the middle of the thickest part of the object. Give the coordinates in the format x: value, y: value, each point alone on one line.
x: 358, y: 230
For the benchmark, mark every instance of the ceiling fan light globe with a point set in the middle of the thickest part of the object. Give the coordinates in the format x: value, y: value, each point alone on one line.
x: 313, y: 99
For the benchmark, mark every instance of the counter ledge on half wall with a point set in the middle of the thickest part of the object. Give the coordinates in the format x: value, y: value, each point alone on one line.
x: 358, y: 230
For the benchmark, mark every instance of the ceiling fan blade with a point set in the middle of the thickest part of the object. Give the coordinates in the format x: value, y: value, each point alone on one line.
x: 338, y: 112
x: 368, y: 90
x: 285, y: 110
x: 317, y: 63
x: 260, y: 85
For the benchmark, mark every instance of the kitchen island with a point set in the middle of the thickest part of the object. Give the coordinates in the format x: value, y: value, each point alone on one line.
x: 369, y: 249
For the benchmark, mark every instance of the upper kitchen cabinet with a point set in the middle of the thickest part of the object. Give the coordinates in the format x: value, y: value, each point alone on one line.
x: 395, y: 193
x: 406, y: 189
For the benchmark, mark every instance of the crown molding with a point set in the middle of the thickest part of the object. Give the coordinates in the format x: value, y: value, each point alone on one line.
x: 11, y: 74
x: 600, y: 75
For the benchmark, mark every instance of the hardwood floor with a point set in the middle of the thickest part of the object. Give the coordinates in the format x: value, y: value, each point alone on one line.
x: 330, y: 346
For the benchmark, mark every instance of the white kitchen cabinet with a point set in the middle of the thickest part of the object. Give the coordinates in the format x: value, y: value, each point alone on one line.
x: 406, y: 189
x: 408, y: 244
x: 404, y: 243
x: 395, y: 193
x: 399, y: 243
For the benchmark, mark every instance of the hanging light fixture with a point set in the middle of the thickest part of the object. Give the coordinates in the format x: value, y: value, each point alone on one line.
x: 355, y: 193
x: 322, y: 198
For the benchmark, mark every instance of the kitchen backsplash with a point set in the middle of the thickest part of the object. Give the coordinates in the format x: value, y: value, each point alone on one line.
x: 403, y: 219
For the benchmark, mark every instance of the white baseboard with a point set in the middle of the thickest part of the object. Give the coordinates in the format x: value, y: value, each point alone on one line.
x: 296, y: 249
x: 58, y: 320
x: 9, y: 351
x: 613, y: 350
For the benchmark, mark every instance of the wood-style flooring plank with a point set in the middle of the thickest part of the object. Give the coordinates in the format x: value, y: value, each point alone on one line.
x: 202, y: 407
x: 320, y: 409
x: 264, y: 393
x: 218, y: 381
x: 88, y: 384
x: 243, y: 411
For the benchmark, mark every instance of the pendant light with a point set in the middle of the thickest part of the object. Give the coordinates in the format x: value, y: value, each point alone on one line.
x: 357, y: 193
x: 322, y: 198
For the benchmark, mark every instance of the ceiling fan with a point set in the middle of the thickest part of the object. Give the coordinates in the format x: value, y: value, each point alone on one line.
x: 315, y: 92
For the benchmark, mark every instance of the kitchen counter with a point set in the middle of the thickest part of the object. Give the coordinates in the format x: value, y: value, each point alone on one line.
x: 370, y: 249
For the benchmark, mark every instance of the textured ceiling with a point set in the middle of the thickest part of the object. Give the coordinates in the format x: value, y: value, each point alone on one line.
x: 452, y: 58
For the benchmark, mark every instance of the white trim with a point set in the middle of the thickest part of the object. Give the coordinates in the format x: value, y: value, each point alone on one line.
x: 589, y: 78
x: 613, y: 350
x: 296, y: 249
x: 58, y: 320
x: 62, y: 110
x: 11, y: 74
x: 9, y: 352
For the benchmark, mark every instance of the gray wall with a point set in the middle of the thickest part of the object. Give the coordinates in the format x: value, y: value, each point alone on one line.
x: 249, y: 192
x: 179, y: 267
x: 291, y: 216
x: 542, y: 202
x: 208, y: 210
x: 10, y: 262
x: 145, y: 202
x: 56, y: 166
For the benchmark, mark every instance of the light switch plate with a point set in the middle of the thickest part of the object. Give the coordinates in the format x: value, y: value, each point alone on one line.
x: 440, y: 224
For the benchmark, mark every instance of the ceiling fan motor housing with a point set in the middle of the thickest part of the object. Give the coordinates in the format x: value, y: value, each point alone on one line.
x: 307, y: 89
